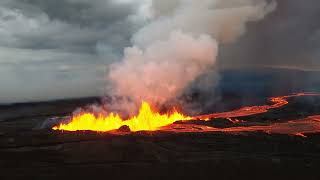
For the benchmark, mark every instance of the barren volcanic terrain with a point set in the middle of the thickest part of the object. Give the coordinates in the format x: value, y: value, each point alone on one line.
x: 281, y: 141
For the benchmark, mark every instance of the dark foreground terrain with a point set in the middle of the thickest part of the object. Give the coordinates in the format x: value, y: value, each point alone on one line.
x: 29, y: 152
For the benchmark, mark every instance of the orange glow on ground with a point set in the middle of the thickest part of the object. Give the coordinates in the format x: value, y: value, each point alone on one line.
x: 146, y: 120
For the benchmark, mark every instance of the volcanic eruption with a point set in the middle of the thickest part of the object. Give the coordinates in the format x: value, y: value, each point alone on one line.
x: 150, y: 120
x: 176, y: 46
x: 159, y: 89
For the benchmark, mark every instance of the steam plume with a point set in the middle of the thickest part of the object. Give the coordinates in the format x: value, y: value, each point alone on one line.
x: 179, y: 44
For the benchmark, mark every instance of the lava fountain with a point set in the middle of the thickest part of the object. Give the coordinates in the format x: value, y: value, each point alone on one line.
x: 147, y: 119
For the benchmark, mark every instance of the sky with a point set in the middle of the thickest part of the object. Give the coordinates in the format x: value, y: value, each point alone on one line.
x: 63, y: 48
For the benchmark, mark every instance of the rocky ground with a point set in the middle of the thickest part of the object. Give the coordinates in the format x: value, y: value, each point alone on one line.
x: 27, y: 151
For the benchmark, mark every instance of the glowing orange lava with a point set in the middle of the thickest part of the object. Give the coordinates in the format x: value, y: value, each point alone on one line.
x: 146, y: 120
x: 151, y: 120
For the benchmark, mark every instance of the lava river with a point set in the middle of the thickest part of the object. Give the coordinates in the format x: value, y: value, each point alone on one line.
x: 149, y: 119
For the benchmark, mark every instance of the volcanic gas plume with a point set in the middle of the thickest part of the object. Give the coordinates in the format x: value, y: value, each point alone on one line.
x: 177, y: 45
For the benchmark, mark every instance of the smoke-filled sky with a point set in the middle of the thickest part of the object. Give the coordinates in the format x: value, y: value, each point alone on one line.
x: 64, y: 48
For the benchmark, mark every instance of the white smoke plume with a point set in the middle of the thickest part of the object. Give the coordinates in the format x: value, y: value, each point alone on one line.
x: 179, y: 44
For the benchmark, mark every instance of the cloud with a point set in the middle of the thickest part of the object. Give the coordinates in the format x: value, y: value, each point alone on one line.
x: 61, y: 49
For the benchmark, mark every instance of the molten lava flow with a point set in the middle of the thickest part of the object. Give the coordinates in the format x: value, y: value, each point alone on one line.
x: 150, y: 120
x: 146, y: 120
x: 247, y: 111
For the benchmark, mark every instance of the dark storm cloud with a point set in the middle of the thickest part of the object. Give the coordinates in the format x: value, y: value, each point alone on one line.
x: 56, y: 49
x: 73, y: 25
x: 83, y: 12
